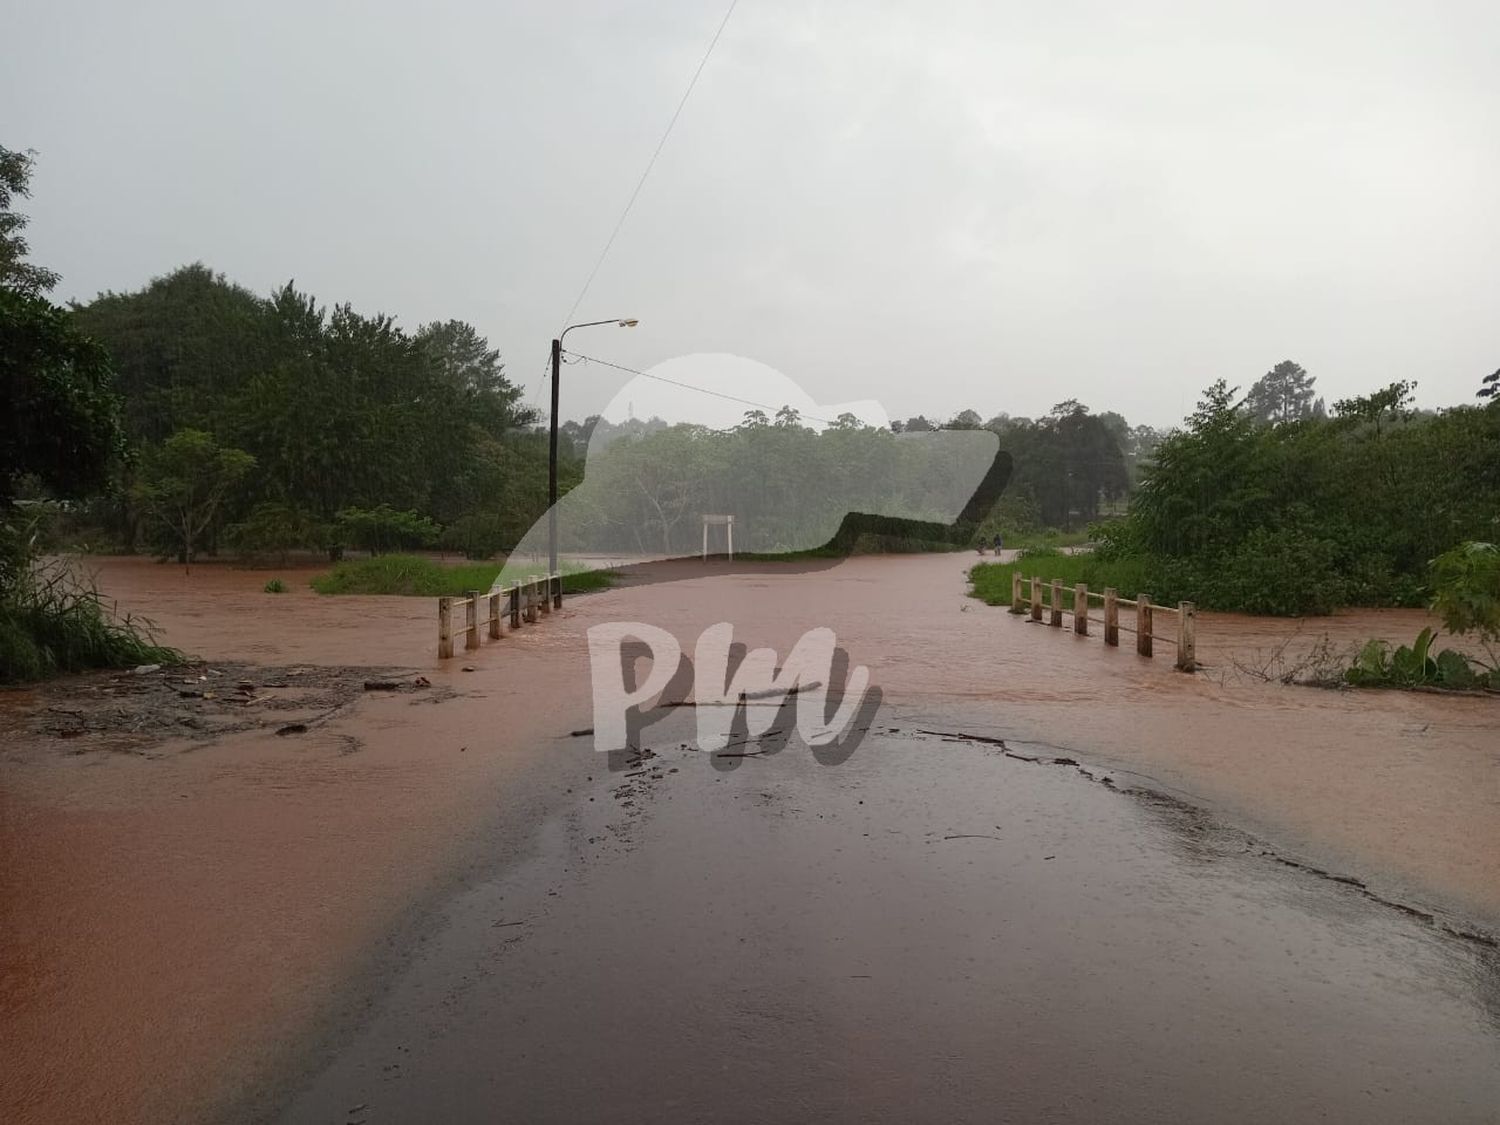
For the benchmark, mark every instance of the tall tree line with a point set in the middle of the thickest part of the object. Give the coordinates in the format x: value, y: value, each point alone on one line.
x: 339, y: 410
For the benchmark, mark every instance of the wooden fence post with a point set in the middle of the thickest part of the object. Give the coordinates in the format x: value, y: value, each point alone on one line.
x: 544, y: 588
x: 445, y: 628
x: 557, y: 591
x: 1143, y: 624
x: 1015, y: 592
x: 1187, y: 643
x: 1111, y: 616
x: 529, y: 611
x: 1056, y: 621
x: 1081, y: 609
x: 471, y: 620
x: 515, y: 606
x: 494, y: 597
x: 1036, y: 598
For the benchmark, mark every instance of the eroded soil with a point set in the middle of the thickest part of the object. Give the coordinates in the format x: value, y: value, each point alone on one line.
x: 143, y: 710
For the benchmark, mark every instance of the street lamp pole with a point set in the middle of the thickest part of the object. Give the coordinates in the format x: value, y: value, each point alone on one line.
x: 557, y: 350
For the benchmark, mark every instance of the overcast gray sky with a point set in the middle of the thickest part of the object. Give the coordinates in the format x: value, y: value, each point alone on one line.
x: 938, y: 206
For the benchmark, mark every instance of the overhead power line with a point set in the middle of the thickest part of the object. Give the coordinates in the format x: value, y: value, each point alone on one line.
x: 650, y: 164
x: 640, y: 183
x: 690, y: 387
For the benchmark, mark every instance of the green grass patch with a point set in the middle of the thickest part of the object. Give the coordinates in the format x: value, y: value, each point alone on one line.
x: 586, y: 581
x: 414, y: 576
x: 991, y: 582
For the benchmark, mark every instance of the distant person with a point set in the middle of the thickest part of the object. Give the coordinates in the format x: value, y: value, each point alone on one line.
x: 999, y: 544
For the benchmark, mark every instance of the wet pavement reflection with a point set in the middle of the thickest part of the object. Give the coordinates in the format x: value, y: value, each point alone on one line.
x: 933, y: 931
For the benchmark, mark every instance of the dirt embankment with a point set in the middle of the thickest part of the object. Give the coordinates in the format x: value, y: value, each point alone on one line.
x: 184, y: 888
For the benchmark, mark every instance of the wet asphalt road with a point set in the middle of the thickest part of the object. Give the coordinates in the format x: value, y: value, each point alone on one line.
x: 933, y: 931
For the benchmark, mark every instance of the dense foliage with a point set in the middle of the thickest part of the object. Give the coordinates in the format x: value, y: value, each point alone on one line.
x: 1308, y: 515
x: 1466, y: 590
x: 1067, y: 466
x: 17, y: 275
x: 341, y: 414
x: 62, y: 428
x: 60, y: 435
x: 1305, y: 515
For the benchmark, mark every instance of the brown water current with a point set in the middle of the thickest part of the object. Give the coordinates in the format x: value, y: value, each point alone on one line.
x: 436, y: 904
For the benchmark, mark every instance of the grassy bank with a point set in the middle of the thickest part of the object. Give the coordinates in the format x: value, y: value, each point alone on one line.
x: 414, y: 576
x: 991, y: 582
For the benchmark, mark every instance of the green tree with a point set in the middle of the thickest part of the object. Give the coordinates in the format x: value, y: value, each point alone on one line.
x: 183, y: 347
x: 1489, y: 386
x: 1066, y: 464
x: 276, y: 529
x: 61, y: 420
x: 1207, y: 484
x: 1387, y: 404
x: 383, y: 528
x: 183, y: 484
x: 16, y: 273
x: 340, y: 410
x: 1283, y: 394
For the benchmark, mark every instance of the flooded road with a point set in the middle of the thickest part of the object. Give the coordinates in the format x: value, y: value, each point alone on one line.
x: 932, y: 931
x: 250, y: 927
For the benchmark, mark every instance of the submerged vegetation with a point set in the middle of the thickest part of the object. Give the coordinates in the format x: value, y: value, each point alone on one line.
x: 1466, y: 595
x: 1416, y: 665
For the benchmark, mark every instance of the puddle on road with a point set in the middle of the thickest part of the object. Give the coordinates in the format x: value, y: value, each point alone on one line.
x: 889, y: 941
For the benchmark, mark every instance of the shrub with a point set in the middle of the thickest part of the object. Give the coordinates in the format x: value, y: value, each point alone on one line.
x: 275, y: 586
x: 1286, y: 573
x: 274, y: 529
x: 1414, y: 665
x: 51, y: 622
x: 480, y: 535
x: 383, y: 529
x: 403, y: 575
x: 1466, y: 589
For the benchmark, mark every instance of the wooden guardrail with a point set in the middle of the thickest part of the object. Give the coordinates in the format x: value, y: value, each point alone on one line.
x: 1145, y: 615
x: 522, y: 603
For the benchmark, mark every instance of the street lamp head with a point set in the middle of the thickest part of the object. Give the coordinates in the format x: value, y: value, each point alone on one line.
x: 628, y: 323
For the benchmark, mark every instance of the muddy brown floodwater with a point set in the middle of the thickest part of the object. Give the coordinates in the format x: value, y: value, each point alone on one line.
x: 1208, y: 897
